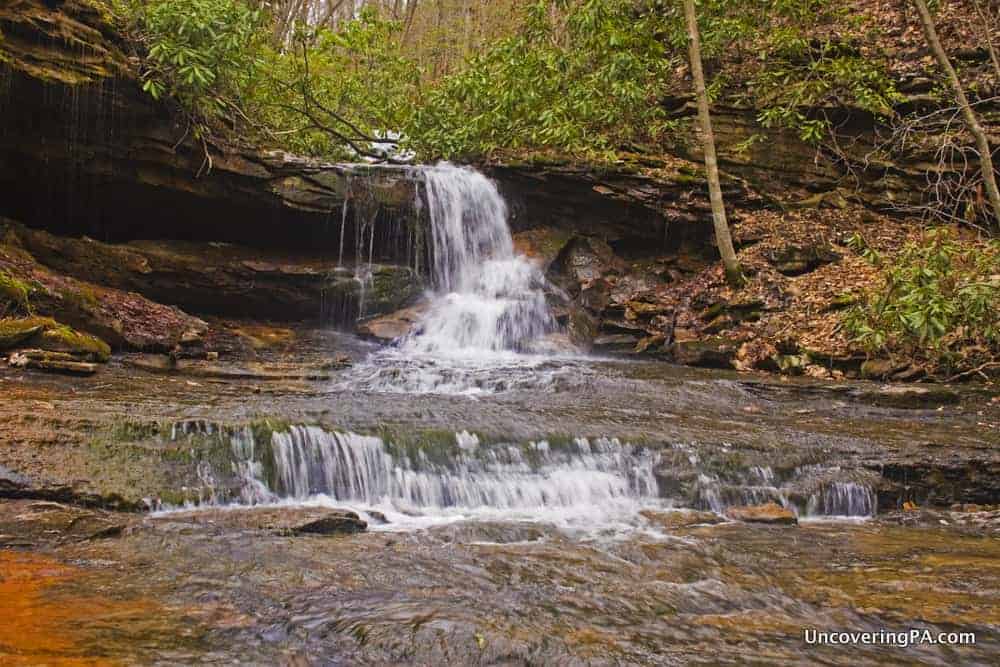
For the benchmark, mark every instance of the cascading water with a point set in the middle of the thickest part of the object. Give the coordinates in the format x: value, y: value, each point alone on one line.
x: 601, y: 479
x: 489, y: 298
x: 426, y: 478
x: 488, y: 312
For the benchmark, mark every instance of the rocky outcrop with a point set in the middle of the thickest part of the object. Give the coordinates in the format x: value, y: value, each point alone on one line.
x: 225, y: 279
x: 83, y: 150
x: 125, y: 320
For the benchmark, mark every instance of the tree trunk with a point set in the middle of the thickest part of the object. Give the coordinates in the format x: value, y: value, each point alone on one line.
x: 989, y: 21
x: 982, y: 143
x: 734, y: 275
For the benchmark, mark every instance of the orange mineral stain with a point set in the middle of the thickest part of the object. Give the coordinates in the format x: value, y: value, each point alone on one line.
x: 43, y: 622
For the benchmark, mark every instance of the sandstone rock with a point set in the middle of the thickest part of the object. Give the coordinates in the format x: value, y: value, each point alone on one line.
x: 118, y: 318
x: 53, y: 362
x: 26, y: 522
x: 286, y: 520
x: 388, y: 328
x: 542, y: 245
x: 673, y: 519
x: 770, y: 513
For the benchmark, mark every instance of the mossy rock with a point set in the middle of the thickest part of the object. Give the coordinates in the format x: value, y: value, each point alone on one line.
x: 46, y: 334
x: 13, y: 291
x: 15, y: 331
x: 62, y: 338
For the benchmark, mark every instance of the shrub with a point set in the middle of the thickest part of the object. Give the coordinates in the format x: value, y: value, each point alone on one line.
x: 938, y: 299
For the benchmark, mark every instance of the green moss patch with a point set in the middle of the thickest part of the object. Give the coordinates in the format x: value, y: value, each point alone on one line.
x: 13, y: 291
x: 47, y: 334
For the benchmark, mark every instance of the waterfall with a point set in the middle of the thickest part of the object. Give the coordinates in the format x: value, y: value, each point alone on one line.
x: 488, y: 299
x: 582, y: 477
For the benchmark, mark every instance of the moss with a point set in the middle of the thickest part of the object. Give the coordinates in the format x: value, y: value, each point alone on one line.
x: 47, y: 334
x: 83, y: 298
x: 14, y: 291
x: 62, y: 338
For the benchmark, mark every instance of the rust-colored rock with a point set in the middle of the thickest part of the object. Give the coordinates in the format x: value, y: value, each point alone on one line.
x: 771, y: 513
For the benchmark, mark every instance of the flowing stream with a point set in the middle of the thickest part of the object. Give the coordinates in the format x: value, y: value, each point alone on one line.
x: 526, y: 505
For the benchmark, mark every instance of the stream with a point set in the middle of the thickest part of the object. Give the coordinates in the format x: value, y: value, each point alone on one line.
x: 526, y: 504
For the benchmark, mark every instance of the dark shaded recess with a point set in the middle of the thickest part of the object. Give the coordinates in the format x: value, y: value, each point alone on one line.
x: 100, y: 160
x: 939, y: 484
x: 637, y: 217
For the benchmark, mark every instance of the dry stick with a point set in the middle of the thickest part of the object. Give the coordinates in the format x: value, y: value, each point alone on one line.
x: 985, y: 157
x: 734, y: 275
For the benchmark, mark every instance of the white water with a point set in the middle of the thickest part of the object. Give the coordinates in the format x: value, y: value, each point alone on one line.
x: 487, y: 319
x: 599, y: 482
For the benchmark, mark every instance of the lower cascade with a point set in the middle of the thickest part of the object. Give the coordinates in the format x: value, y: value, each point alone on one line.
x: 599, y: 480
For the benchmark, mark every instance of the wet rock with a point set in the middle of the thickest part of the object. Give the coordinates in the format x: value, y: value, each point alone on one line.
x: 37, y: 522
x: 391, y: 288
x: 226, y: 279
x: 674, y: 519
x: 904, y: 396
x: 52, y: 362
x: 620, y: 342
x: 285, y: 520
x: 542, y: 245
x: 770, y: 513
x: 388, y: 328
x: 331, y: 523
x: 715, y: 352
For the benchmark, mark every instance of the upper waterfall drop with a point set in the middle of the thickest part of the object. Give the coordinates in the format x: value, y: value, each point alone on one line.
x: 488, y: 298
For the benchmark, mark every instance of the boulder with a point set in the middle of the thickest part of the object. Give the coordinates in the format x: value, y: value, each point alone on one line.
x: 770, y: 513
x: 542, y: 245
